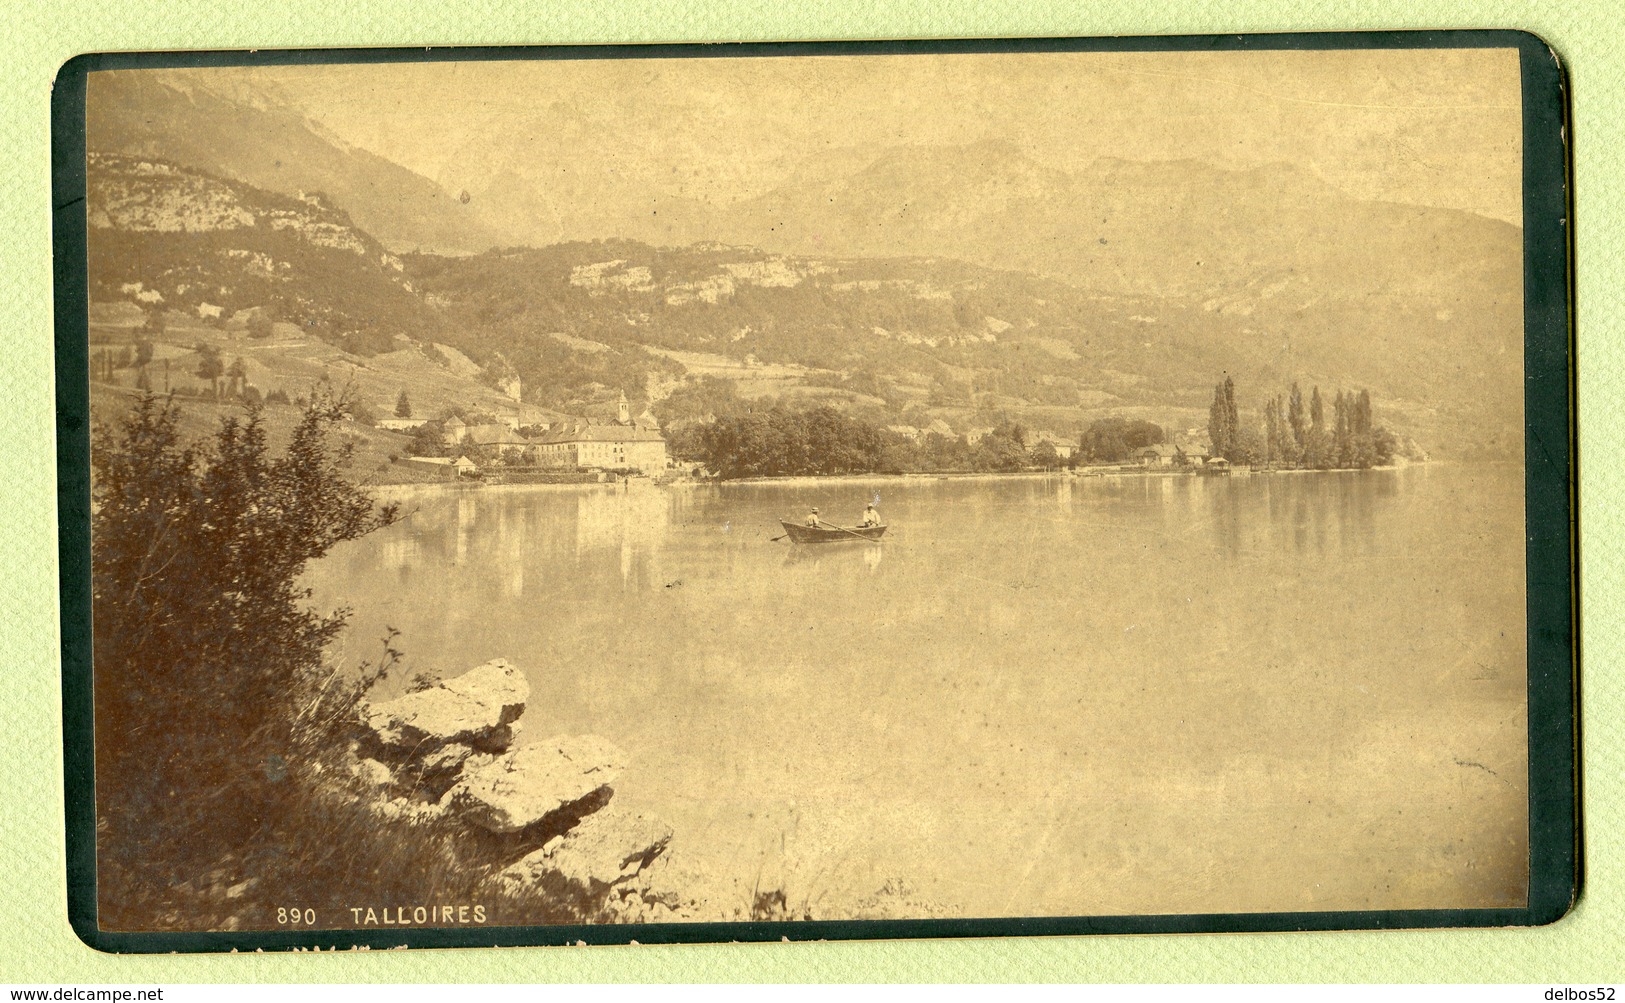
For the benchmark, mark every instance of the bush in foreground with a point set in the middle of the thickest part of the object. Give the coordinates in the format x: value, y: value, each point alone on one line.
x: 213, y: 704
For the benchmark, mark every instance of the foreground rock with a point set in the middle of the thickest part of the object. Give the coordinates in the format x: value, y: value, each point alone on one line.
x: 609, y: 847
x: 527, y: 785
x: 373, y: 774
x: 478, y: 710
x: 539, y: 815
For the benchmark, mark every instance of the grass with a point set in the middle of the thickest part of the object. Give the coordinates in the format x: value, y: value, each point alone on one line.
x: 325, y: 846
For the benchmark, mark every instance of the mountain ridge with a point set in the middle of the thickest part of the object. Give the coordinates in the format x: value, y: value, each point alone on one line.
x: 248, y: 135
x: 922, y: 332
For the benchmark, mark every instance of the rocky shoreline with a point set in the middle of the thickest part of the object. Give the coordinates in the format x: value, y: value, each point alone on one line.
x: 539, y: 813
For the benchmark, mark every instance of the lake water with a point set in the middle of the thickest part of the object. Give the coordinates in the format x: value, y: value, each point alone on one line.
x: 1038, y: 696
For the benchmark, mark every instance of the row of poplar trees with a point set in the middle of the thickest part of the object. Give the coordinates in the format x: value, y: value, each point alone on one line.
x: 1299, y: 435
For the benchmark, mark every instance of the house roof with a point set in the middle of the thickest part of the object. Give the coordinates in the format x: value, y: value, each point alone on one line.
x: 601, y: 433
x: 495, y: 435
x: 1161, y: 449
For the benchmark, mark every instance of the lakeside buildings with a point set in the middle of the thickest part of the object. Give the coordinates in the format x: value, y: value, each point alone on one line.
x: 605, y: 447
x: 622, y: 444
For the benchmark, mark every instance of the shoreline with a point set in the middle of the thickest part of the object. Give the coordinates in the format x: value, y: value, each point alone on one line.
x: 408, y: 488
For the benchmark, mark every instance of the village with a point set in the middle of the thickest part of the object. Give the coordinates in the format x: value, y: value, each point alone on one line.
x: 578, y: 449
x: 555, y: 451
x: 425, y: 413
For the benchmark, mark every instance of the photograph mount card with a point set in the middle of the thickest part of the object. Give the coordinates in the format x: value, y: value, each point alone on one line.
x: 709, y: 493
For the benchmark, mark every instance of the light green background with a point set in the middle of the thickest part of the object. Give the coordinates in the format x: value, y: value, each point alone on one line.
x: 36, y: 944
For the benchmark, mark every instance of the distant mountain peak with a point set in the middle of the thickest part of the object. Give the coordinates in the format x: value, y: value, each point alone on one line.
x: 243, y: 126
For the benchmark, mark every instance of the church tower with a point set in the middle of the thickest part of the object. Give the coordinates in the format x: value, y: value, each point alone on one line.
x: 624, y: 414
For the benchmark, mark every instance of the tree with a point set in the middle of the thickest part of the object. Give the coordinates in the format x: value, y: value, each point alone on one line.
x: 1012, y: 430
x: 999, y: 450
x: 1110, y: 440
x: 237, y: 375
x: 1272, y: 430
x: 1246, y: 447
x: 1232, y: 416
x: 1295, y: 418
x: 1319, y: 451
x: 209, y: 367
x: 1223, y: 420
x: 208, y: 663
x: 684, y: 443
x: 1342, y: 451
x: 428, y: 439
x: 1217, y: 430
x: 403, y: 406
x: 1044, y: 455
x: 1363, y: 436
x: 259, y: 324
x: 1386, y: 446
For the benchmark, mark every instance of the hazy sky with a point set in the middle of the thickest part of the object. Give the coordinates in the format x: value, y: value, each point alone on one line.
x: 1432, y: 127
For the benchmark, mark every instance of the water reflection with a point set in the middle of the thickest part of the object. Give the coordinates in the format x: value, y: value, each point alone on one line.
x: 1329, y: 513
x: 839, y: 554
x: 400, y: 553
x: 632, y: 523
x: 508, y: 543
x: 466, y: 507
x: 1003, y: 669
x: 872, y: 555
x: 625, y: 519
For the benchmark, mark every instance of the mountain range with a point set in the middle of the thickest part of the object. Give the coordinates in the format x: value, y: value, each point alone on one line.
x: 1122, y: 285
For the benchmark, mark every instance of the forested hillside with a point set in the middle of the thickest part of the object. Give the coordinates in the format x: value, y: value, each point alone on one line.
x: 905, y: 330
x: 174, y: 239
x: 689, y: 330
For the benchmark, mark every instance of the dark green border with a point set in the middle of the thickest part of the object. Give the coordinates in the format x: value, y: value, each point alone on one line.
x: 1550, y: 509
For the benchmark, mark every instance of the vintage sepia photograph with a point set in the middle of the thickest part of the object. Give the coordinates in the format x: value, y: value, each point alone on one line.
x: 693, y: 488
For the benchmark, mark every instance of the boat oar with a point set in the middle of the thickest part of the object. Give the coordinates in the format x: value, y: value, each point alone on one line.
x: 866, y: 539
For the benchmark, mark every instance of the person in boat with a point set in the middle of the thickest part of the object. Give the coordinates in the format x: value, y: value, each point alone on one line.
x: 870, y: 517
x: 813, y: 520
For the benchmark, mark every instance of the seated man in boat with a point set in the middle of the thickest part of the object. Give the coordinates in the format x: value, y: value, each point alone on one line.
x: 870, y: 517
x: 813, y: 520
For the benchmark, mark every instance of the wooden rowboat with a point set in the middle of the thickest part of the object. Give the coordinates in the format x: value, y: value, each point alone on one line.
x: 830, y: 534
